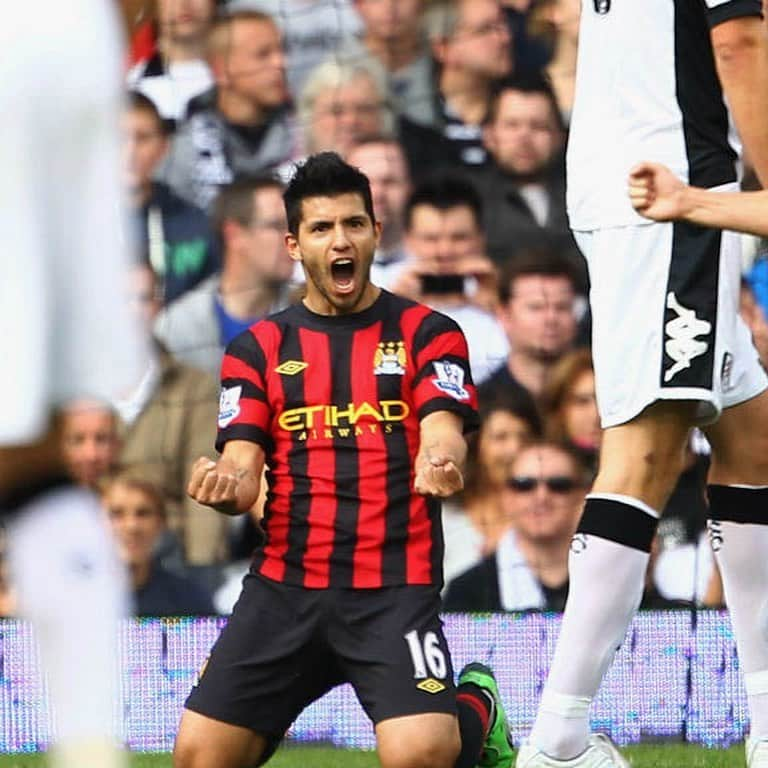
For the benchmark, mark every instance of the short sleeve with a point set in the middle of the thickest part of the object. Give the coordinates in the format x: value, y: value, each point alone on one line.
x: 244, y: 412
x: 443, y: 381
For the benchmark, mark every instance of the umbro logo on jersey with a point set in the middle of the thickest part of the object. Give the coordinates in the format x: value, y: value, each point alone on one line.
x: 682, y: 344
x: 602, y: 6
x: 430, y: 685
x: 291, y: 367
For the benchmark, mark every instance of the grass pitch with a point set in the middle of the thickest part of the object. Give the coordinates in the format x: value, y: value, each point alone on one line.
x: 643, y: 756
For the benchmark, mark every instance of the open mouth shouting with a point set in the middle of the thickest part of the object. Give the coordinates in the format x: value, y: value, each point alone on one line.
x: 343, y: 275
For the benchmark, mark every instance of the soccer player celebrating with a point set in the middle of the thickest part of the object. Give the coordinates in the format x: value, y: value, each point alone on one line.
x: 356, y: 402
x: 670, y: 350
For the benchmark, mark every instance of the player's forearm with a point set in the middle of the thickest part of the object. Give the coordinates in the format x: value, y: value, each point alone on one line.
x: 739, y: 211
x: 741, y: 54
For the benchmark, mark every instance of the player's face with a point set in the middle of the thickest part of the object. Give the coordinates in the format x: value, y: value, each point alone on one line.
x: 501, y: 437
x: 342, y: 115
x: 254, y: 67
x: 524, y: 136
x: 481, y: 43
x: 263, y: 241
x: 144, y: 146
x: 541, y: 514
x: 184, y: 20
x: 539, y: 318
x: 443, y: 239
x: 335, y: 244
x: 90, y: 444
x: 387, y: 172
x: 580, y: 414
x: 135, y: 521
x: 390, y: 19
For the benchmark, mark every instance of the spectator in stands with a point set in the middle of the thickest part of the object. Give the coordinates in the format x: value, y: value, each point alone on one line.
x: 177, y: 70
x: 447, y: 268
x: 557, y: 22
x: 242, y: 126
x: 90, y: 441
x: 523, y: 184
x: 173, y: 235
x: 570, y: 407
x: 537, y: 310
x: 254, y: 278
x: 382, y: 159
x: 393, y: 33
x: 169, y: 418
x: 313, y: 31
x: 135, y: 510
x: 473, y: 48
x: 542, y: 500
x: 342, y: 102
x: 474, y: 520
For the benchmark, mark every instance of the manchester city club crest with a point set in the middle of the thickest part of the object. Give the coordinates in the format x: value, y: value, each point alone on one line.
x: 389, y: 358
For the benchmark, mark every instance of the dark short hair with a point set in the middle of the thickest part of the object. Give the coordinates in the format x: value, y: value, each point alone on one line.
x: 529, y: 84
x: 235, y: 200
x: 324, y: 175
x: 535, y: 261
x: 445, y: 192
x: 135, y: 101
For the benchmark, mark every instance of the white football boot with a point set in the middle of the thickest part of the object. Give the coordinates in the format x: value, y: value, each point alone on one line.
x: 757, y: 753
x: 600, y: 753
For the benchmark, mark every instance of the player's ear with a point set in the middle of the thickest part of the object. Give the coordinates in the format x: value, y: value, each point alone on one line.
x: 292, y: 244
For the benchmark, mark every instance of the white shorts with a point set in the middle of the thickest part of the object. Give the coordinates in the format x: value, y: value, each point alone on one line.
x: 665, y: 320
x: 65, y: 330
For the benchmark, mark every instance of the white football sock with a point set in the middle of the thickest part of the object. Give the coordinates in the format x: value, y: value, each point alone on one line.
x: 606, y: 586
x: 73, y: 589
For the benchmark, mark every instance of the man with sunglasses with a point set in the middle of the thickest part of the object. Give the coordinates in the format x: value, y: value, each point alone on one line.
x: 529, y: 570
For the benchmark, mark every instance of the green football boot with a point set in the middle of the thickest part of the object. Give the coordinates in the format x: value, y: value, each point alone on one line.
x: 497, y: 749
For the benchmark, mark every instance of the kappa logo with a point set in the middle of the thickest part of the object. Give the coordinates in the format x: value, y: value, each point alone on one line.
x: 450, y: 379
x: 291, y: 367
x: 681, y: 344
x: 602, y: 6
x: 726, y: 373
x: 229, y: 405
x: 389, y: 358
x: 430, y: 685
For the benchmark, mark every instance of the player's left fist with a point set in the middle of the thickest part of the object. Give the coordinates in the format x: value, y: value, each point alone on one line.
x: 438, y: 477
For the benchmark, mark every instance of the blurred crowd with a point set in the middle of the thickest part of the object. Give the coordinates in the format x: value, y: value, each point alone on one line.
x: 458, y: 113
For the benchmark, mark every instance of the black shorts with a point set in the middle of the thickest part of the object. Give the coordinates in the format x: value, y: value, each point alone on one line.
x: 286, y: 646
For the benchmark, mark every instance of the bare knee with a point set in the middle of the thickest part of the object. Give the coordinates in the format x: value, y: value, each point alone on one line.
x: 421, y: 747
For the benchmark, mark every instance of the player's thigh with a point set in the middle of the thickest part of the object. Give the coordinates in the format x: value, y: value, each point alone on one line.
x: 203, y: 742
x: 391, y: 648
x: 431, y: 740
x: 739, y: 441
x: 654, y: 293
x: 267, y: 664
x: 643, y: 458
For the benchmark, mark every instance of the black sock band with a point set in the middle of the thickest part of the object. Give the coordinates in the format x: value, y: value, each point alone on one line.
x: 616, y: 521
x: 474, y: 712
x: 738, y: 505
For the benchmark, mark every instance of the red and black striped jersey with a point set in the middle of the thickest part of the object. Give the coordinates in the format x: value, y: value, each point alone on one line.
x: 335, y: 401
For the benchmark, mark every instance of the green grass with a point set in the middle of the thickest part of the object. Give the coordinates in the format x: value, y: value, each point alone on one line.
x: 644, y: 756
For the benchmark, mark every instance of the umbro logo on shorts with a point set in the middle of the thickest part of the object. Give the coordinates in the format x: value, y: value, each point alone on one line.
x: 430, y: 685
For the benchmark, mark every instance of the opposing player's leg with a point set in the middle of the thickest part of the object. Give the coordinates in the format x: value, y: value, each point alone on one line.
x: 653, y: 299
x: 639, y: 465
x: 738, y: 497
x: 58, y: 543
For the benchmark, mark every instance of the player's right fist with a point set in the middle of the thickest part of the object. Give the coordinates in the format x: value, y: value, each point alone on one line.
x: 214, y: 483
